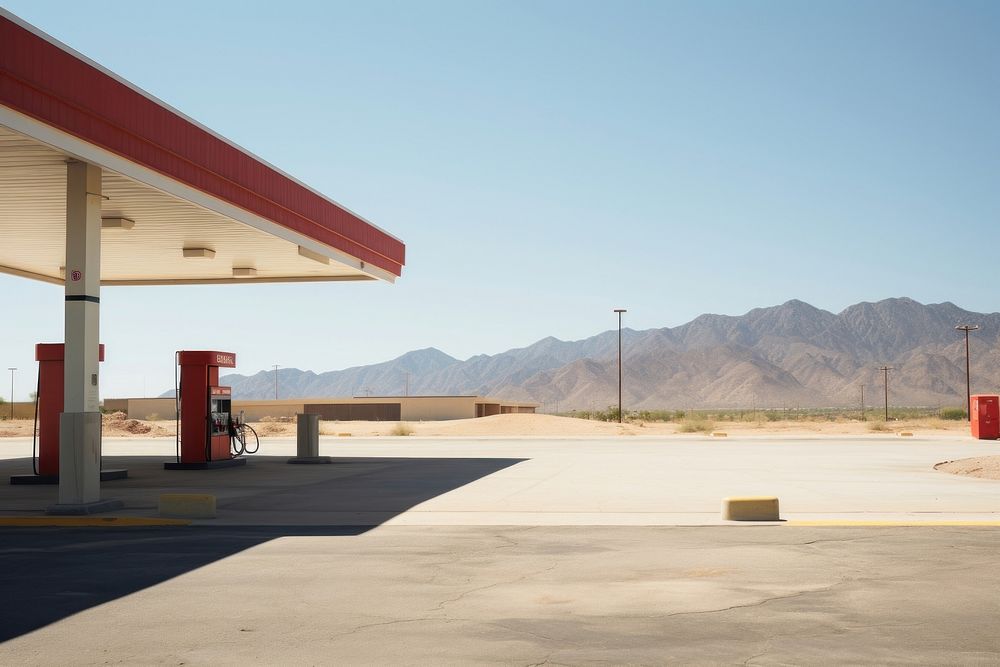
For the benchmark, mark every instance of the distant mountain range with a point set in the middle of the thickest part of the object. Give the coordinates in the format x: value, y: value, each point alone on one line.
x: 792, y: 355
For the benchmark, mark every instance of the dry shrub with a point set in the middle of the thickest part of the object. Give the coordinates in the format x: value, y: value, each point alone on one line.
x: 697, y: 424
x: 401, y: 428
x: 878, y: 427
x: 115, y: 418
x: 270, y: 428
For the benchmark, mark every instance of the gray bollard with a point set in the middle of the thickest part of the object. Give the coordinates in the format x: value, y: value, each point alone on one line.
x: 307, y: 440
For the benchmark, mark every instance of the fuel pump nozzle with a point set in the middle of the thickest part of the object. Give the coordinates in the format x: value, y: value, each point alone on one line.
x: 238, y: 428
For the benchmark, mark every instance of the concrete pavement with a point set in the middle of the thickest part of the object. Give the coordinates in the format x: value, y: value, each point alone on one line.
x: 607, y: 481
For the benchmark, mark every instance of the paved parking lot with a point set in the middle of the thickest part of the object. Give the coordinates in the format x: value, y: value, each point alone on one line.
x: 519, y: 551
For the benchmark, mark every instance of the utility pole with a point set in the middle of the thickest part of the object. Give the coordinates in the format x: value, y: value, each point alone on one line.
x: 406, y: 385
x: 620, y: 311
x: 862, y: 401
x: 968, y: 386
x: 885, y: 373
x: 11, y: 391
x: 276, y: 382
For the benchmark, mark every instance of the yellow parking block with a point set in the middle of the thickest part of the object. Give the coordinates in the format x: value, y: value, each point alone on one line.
x: 187, y: 505
x: 719, y: 434
x: 750, y: 508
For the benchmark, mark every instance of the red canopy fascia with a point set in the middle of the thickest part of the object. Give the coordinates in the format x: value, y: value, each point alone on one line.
x: 50, y: 83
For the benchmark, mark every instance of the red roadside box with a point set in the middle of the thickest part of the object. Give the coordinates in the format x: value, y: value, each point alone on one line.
x: 985, y: 417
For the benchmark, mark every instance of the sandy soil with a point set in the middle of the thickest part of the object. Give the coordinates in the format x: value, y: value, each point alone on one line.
x: 117, y: 425
x: 984, y: 467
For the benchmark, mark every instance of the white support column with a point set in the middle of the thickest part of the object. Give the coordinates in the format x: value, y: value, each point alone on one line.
x: 80, y: 422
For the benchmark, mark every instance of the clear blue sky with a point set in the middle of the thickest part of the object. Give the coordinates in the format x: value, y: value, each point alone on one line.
x: 546, y: 162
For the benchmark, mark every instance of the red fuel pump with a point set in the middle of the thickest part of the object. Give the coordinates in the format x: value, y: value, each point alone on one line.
x: 48, y: 405
x: 208, y: 435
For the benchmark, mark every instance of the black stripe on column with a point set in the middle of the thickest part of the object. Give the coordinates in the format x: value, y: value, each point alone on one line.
x: 83, y: 297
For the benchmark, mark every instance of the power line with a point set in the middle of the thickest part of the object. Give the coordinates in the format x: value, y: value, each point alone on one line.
x: 885, y: 373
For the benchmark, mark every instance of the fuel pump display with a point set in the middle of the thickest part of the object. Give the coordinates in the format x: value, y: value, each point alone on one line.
x: 207, y: 434
x: 219, y: 405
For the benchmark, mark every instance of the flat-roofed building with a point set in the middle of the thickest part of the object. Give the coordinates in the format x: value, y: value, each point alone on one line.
x: 368, y: 408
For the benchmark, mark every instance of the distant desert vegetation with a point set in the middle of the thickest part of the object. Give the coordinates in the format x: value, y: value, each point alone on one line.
x: 695, y: 423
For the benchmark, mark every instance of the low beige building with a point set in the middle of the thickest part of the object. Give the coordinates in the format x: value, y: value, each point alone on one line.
x: 369, y: 408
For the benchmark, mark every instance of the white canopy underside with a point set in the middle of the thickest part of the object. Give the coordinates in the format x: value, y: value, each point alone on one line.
x: 33, y: 231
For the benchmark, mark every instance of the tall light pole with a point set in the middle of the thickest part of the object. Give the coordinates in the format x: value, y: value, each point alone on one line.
x: 620, y: 311
x: 968, y: 386
x: 11, y: 369
x: 862, y: 402
x: 885, y: 373
x: 276, y: 382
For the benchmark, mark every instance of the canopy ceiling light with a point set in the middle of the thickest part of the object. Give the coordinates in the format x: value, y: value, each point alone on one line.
x: 117, y: 223
x: 314, y: 256
x: 199, y: 253
x: 244, y: 272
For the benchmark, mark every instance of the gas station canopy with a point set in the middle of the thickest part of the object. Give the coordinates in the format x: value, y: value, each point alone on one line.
x: 180, y: 204
x: 103, y: 184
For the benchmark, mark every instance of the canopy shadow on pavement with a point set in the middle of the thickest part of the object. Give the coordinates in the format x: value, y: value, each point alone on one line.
x: 47, y: 574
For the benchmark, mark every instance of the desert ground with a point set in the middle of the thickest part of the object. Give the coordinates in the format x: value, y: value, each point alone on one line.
x: 534, y: 425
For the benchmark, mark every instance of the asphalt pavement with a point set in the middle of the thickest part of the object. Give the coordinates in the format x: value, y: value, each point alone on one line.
x: 519, y: 551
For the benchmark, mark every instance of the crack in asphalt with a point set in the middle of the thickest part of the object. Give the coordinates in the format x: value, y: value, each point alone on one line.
x: 767, y: 650
x: 398, y: 621
x: 751, y: 605
x: 527, y: 632
x: 441, y: 605
x: 545, y: 661
x: 459, y: 557
x: 859, y: 538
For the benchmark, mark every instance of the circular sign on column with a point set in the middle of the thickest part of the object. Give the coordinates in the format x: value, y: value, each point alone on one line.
x: 76, y: 275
